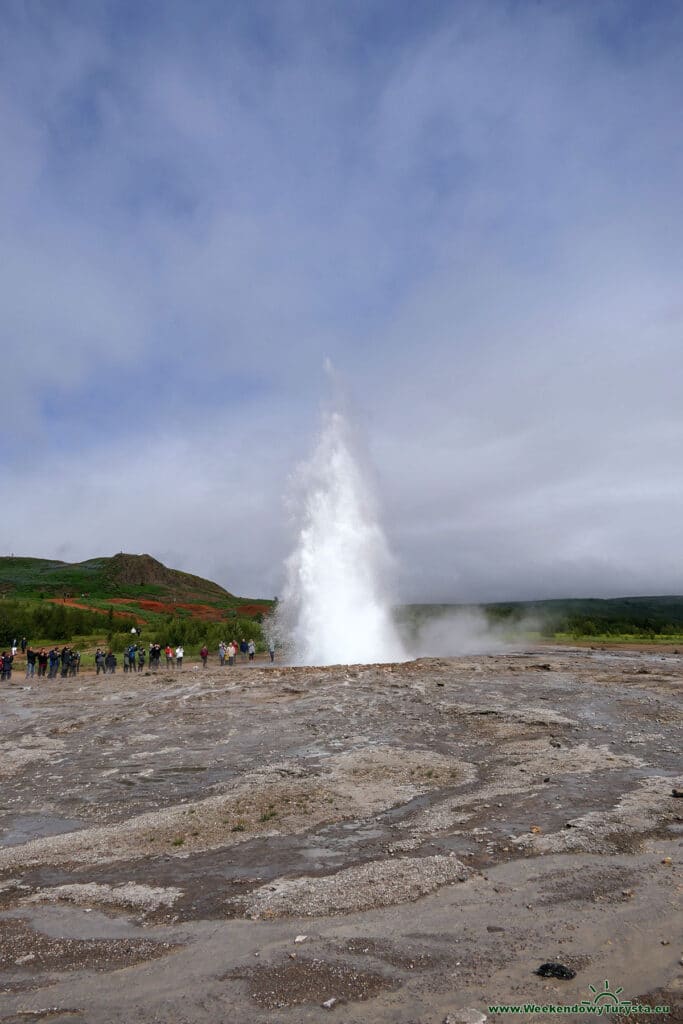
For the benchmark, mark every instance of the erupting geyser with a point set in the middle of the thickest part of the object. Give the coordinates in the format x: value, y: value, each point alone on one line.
x: 334, y: 609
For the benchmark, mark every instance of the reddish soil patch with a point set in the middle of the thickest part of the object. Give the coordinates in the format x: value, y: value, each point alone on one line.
x: 156, y: 606
x: 197, y: 611
x: 251, y: 609
x: 202, y: 609
x: 70, y: 603
x: 205, y: 612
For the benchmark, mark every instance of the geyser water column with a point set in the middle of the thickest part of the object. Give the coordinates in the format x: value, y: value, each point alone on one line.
x: 335, y: 609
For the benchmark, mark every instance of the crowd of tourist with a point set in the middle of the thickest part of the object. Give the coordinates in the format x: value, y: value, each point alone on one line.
x: 49, y: 663
x: 43, y: 662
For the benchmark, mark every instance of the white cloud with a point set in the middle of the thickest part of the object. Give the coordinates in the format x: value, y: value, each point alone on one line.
x: 479, y: 222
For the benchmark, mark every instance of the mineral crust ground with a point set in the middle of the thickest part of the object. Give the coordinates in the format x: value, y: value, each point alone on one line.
x: 405, y: 843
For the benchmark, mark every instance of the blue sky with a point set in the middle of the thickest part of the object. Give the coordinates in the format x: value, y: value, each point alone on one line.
x: 474, y: 209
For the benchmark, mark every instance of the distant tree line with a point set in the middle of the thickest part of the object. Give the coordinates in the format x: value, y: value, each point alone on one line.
x: 48, y: 621
x: 193, y: 631
x: 643, y: 619
x: 59, y: 622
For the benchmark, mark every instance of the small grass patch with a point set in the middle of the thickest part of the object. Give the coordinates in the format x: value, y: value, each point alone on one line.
x: 605, y: 639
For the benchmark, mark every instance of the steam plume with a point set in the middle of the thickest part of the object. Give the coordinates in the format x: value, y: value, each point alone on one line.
x: 335, y: 608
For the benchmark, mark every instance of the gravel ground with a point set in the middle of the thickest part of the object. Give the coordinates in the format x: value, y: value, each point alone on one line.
x: 435, y: 830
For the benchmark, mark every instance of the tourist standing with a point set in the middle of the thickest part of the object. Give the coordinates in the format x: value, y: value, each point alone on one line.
x: 204, y: 654
x: 30, y: 663
x: 53, y: 658
x: 179, y: 655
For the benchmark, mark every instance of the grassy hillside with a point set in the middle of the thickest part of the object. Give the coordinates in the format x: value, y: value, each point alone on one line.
x: 104, y: 577
x: 133, y: 579
x: 53, y: 600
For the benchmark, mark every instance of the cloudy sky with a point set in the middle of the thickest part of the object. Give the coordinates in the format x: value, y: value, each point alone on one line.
x: 473, y: 208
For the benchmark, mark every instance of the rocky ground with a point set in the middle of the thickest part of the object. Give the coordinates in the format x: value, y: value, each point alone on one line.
x: 404, y: 843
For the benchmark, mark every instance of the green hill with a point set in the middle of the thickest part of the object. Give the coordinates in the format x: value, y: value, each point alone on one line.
x: 51, y: 599
x: 104, y: 577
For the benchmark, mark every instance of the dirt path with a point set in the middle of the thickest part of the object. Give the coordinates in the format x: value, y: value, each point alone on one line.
x: 436, y: 830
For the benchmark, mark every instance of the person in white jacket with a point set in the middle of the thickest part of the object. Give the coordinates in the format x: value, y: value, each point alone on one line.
x: 179, y: 655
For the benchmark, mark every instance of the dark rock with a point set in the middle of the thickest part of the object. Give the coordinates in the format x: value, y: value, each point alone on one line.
x: 552, y: 970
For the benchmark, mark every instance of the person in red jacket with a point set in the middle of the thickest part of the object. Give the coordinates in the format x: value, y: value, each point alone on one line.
x: 204, y: 654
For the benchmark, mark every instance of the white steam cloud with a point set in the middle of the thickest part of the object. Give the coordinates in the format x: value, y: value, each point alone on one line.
x: 466, y: 631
